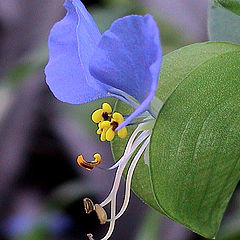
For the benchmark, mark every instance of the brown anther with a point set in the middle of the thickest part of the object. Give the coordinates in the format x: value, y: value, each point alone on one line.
x: 101, y: 214
x: 87, y: 165
x: 114, y: 125
x: 88, y: 205
x: 105, y: 116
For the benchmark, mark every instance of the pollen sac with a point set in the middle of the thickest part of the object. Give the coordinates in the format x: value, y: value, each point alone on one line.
x: 103, y: 128
x: 89, y: 165
x: 101, y: 214
x: 99, y: 131
x: 102, y: 114
x: 118, y: 117
x: 88, y: 205
x: 107, y: 108
x: 110, y: 134
x: 122, y: 133
x: 103, y: 135
x: 108, y: 123
x: 97, y: 116
x: 105, y: 124
x: 97, y: 158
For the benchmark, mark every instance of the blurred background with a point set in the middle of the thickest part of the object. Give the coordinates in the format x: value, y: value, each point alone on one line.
x: 41, y: 186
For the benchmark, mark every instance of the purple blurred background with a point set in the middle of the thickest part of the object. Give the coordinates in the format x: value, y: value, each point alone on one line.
x: 41, y: 187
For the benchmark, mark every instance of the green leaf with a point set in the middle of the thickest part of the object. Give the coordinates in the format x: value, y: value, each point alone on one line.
x: 181, y: 62
x: 231, y: 5
x: 176, y: 66
x: 223, y: 25
x: 195, y: 147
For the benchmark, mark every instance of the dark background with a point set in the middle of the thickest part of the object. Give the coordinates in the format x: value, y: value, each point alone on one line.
x: 41, y: 186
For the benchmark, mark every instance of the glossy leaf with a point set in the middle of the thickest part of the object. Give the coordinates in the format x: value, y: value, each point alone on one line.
x: 223, y: 25
x: 176, y: 67
x: 231, y: 5
x: 195, y: 146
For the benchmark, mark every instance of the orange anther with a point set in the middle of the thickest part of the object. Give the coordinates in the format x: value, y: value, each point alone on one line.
x: 89, y: 165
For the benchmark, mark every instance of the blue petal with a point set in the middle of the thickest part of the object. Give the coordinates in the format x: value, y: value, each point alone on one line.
x: 71, y: 44
x: 128, y: 58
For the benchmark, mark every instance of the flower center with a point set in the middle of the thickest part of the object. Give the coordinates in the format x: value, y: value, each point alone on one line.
x: 108, y: 122
x: 114, y: 125
x: 106, y: 116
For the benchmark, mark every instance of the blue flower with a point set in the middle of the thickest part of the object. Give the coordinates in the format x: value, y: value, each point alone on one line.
x: 123, y: 62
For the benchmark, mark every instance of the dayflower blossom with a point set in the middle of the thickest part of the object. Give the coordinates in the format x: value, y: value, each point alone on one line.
x: 123, y: 62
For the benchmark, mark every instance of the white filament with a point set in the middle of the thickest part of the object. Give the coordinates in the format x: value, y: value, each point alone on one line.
x: 131, y: 149
x: 129, y: 179
x: 123, y: 162
x: 112, y: 223
x: 134, y: 142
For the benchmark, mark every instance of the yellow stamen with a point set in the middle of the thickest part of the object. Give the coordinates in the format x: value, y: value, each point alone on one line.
x: 99, y: 131
x: 118, y: 117
x: 122, y: 133
x: 102, y: 114
x: 117, y: 120
x: 107, y: 108
x: 97, y: 116
x: 108, y: 122
x: 97, y: 158
x: 89, y: 165
x: 103, y: 135
x: 110, y: 134
x: 105, y: 124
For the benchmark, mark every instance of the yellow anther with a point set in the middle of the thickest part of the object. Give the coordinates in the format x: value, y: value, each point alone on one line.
x: 99, y: 131
x: 122, y: 133
x: 110, y: 134
x: 97, y: 116
x: 108, y: 122
x: 105, y: 124
x: 103, y: 135
x: 102, y: 114
x: 118, y: 117
x: 103, y: 127
x: 97, y: 157
x: 89, y: 165
x: 106, y: 108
